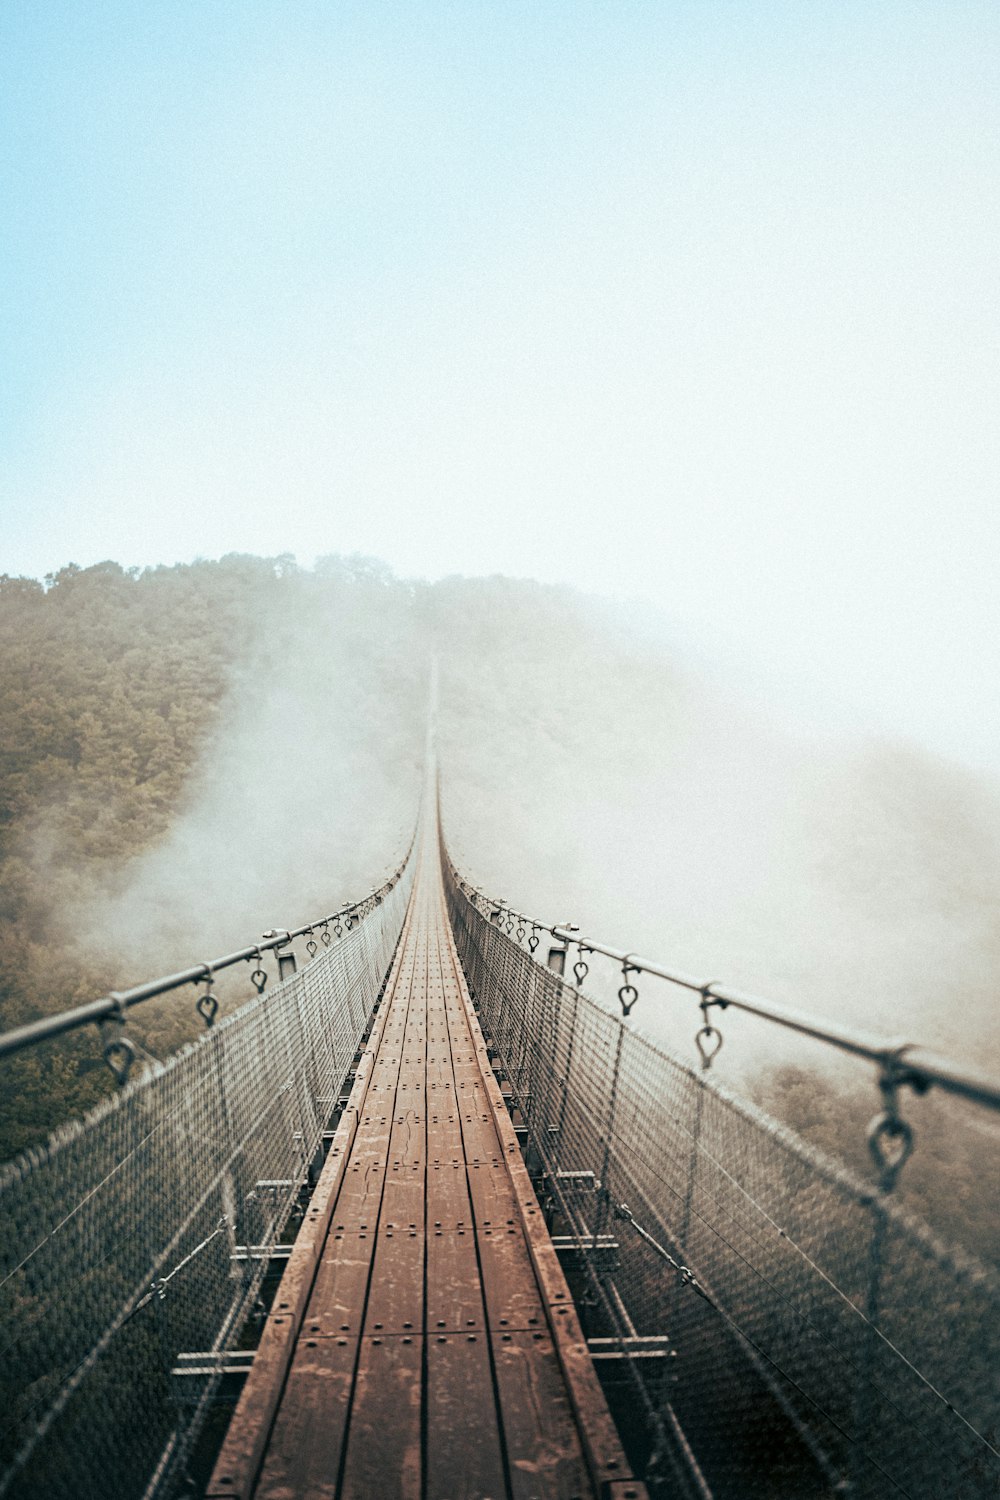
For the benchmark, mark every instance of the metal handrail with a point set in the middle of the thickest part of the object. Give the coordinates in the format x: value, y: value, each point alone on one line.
x: 907, y: 1062
x: 118, y: 1001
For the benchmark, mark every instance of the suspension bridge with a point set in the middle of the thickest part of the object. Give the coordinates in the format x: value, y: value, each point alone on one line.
x: 424, y: 1218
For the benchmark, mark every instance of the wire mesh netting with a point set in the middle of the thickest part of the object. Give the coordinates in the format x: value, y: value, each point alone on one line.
x: 821, y: 1340
x: 141, y: 1233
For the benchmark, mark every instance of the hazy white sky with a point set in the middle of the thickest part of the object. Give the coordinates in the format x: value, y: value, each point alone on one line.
x: 693, y: 301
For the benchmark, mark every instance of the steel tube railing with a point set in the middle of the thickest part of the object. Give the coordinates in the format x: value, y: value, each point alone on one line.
x: 908, y: 1062
x: 118, y: 1001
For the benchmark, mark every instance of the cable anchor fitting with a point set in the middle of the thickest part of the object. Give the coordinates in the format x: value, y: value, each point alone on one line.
x: 627, y: 992
x: 708, y: 1039
x: 258, y: 976
x: 890, y: 1137
x: 207, y: 1005
x: 119, y: 1052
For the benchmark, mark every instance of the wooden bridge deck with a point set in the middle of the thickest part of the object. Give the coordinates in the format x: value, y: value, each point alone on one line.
x: 423, y: 1342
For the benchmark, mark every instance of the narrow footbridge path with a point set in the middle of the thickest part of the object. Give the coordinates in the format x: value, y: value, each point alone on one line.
x: 423, y: 1341
x: 770, y: 1323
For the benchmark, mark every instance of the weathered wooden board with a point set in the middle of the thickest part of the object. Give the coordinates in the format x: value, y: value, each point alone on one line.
x: 543, y: 1446
x: 306, y: 1447
x: 384, y: 1451
x: 464, y: 1448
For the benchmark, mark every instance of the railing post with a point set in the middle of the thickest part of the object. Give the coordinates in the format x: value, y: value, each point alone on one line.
x: 556, y: 960
x: 556, y: 963
x: 570, y: 1048
x: 604, y: 1194
x: 284, y: 954
x: 890, y: 1141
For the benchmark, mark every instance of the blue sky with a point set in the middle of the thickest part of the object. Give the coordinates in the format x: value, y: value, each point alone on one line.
x: 695, y: 302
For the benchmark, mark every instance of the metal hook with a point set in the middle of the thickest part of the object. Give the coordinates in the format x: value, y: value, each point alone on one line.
x: 121, y: 1048
x: 258, y: 976
x: 207, y: 1005
x: 627, y: 996
x: 890, y: 1138
x: 890, y: 1141
x: 119, y: 1053
x: 627, y: 993
x: 581, y: 968
x: 708, y: 1039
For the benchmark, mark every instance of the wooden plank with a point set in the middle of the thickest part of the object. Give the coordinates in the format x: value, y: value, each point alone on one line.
x: 341, y: 1287
x: 361, y: 1193
x: 454, y: 1286
x: 340, y: 1290
x: 305, y: 1451
x: 544, y: 1455
x: 510, y: 1293
x: 544, y: 1452
x: 383, y: 1441
x: 464, y: 1459
x: 384, y: 1431
x: 396, y: 1296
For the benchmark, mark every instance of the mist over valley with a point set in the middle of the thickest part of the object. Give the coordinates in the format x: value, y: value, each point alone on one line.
x: 197, y: 753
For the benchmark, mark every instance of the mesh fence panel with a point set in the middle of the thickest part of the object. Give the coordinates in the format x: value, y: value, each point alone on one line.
x: 827, y: 1344
x: 125, y: 1238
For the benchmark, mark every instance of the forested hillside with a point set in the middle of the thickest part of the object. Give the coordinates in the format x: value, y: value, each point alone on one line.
x: 120, y: 690
x: 111, y: 687
x: 193, y: 754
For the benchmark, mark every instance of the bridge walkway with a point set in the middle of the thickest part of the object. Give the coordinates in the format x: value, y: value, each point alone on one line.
x: 423, y: 1341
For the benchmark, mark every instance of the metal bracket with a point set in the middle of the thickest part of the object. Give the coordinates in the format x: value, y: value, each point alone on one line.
x: 581, y: 1182
x: 244, y: 1253
x: 640, y: 1346
x: 601, y: 1251
x: 284, y: 954
x: 230, y: 1367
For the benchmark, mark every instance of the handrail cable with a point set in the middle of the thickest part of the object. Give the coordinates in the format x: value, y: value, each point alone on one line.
x: 117, y: 1002
x: 908, y: 1062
